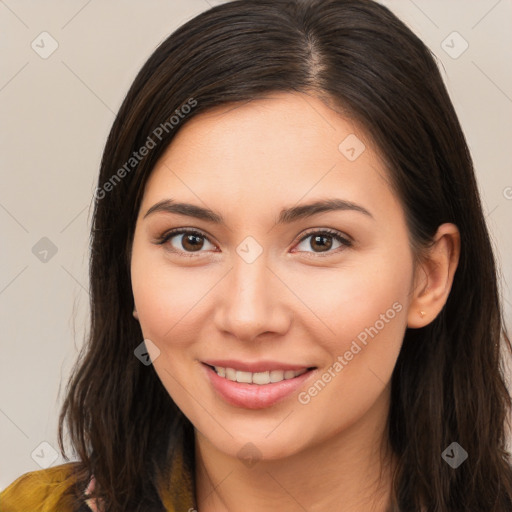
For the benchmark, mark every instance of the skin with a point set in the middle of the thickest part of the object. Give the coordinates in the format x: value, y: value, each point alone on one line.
x: 294, y: 303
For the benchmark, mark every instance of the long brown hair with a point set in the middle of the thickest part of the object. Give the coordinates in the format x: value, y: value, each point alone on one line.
x: 448, y: 384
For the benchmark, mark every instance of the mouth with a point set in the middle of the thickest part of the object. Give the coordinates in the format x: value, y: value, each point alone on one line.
x: 256, y: 390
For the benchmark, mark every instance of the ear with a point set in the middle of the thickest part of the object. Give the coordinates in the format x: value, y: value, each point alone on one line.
x: 433, y: 277
x: 135, y: 314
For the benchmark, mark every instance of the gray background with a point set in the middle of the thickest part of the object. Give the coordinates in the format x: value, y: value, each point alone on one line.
x: 56, y: 113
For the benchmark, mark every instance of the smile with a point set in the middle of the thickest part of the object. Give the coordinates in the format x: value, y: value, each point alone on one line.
x: 258, y: 378
x: 256, y: 389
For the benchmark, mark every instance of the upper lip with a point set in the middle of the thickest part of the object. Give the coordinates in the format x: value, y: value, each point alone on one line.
x: 255, y: 366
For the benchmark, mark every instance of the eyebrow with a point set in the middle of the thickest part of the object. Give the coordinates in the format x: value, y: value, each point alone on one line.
x: 286, y: 216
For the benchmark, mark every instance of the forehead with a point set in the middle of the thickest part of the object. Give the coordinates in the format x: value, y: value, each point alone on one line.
x: 283, y: 149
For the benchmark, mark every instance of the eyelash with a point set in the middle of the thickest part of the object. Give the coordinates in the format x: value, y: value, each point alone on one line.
x: 165, y: 237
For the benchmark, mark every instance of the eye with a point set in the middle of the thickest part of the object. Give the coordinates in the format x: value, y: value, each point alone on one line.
x: 185, y: 241
x: 322, y: 240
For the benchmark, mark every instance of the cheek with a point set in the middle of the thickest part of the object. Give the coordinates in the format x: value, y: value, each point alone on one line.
x: 368, y: 318
x: 371, y: 303
x: 372, y: 292
x: 362, y: 354
x: 166, y: 298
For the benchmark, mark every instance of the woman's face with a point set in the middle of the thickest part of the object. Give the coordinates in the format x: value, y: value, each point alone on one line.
x: 261, y: 288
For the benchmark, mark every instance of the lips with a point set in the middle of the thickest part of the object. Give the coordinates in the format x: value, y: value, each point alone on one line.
x: 234, y: 386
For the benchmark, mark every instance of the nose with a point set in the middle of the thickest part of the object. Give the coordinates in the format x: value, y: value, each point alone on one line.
x: 252, y: 301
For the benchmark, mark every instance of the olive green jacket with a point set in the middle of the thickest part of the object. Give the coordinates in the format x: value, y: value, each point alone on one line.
x: 42, y: 490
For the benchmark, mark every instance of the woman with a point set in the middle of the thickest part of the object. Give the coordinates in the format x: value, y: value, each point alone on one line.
x: 294, y: 297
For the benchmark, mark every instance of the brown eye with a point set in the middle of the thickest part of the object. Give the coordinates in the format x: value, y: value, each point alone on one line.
x: 192, y: 242
x: 186, y: 241
x: 322, y: 241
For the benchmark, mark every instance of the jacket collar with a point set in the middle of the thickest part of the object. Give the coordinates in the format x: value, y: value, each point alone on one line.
x: 177, y: 488
x: 177, y: 485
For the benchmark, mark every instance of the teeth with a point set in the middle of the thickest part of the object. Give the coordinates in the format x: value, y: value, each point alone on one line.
x: 259, y: 377
x: 244, y: 377
x: 276, y: 375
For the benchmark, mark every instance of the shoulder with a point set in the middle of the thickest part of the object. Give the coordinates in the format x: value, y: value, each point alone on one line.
x: 39, y: 491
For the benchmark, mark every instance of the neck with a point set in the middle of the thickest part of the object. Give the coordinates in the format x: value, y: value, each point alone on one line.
x: 349, y: 472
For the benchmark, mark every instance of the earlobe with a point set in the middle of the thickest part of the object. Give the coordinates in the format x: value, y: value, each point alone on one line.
x: 135, y: 314
x: 434, y: 277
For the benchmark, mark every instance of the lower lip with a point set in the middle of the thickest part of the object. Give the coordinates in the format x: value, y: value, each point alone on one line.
x: 254, y: 396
